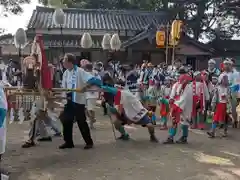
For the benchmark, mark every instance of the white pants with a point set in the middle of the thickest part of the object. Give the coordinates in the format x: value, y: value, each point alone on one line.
x: 91, y: 104
x: 3, y: 134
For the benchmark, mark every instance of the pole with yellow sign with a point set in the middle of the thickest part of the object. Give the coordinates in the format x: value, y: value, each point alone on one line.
x: 162, y: 39
x: 175, y: 36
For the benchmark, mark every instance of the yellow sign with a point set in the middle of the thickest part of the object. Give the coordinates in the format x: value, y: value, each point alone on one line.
x: 160, y: 38
x: 175, y: 32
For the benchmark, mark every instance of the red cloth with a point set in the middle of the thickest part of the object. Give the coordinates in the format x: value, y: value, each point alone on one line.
x: 177, y: 97
x: 194, y: 108
x: 221, y: 66
x: 176, y: 111
x: 117, y: 98
x: 151, y: 82
x: 185, y: 78
x: 45, y: 70
x: 220, y: 112
x: 163, y: 110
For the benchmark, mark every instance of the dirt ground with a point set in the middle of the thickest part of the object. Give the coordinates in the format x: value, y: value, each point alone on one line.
x: 138, y: 159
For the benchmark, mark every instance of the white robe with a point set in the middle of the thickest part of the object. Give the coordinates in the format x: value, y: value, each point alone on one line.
x: 133, y: 108
x: 185, y: 103
x: 175, y: 89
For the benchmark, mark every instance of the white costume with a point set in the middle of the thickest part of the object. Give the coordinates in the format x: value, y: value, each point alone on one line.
x: 92, y: 94
x: 3, y: 113
x: 185, y: 103
x: 133, y: 108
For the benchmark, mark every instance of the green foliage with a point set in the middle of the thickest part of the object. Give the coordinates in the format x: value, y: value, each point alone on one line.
x: 2, y: 31
x: 12, y: 6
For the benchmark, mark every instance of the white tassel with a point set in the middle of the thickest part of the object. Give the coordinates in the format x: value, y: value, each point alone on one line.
x: 20, y: 38
x: 11, y: 116
x: 106, y: 41
x: 86, y: 41
x: 21, y: 115
x: 59, y: 17
x: 115, y: 42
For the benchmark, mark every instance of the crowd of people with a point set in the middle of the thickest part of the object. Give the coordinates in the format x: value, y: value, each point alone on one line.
x: 131, y: 94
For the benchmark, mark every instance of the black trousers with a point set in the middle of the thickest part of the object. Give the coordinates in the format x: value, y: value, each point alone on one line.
x: 73, y: 111
x: 207, y: 106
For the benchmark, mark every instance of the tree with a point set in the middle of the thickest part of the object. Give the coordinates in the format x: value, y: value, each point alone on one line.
x: 202, y: 18
x: 2, y: 31
x: 12, y: 6
x: 230, y: 22
x: 208, y: 19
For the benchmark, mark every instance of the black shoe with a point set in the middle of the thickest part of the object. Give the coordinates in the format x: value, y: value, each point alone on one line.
x: 169, y: 141
x: 88, y: 146
x: 124, y: 137
x: 66, y: 146
x: 28, y: 144
x: 153, y: 139
x: 211, y: 134
x: 45, y: 139
x: 182, y: 140
x: 58, y: 134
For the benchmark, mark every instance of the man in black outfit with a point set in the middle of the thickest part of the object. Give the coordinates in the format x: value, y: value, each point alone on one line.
x: 74, y: 77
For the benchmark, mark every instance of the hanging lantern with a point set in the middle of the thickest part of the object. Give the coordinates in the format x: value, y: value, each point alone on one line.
x: 106, y: 41
x: 20, y: 38
x: 160, y: 38
x: 59, y: 17
x: 115, y: 42
x: 176, y: 31
x: 86, y: 41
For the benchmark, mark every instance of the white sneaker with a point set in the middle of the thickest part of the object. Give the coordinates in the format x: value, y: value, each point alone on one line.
x: 4, y: 177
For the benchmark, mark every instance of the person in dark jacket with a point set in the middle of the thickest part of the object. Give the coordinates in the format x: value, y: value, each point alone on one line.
x: 108, y: 97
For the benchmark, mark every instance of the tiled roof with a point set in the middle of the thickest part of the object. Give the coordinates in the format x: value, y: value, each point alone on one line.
x: 149, y: 33
x: 95, y: 19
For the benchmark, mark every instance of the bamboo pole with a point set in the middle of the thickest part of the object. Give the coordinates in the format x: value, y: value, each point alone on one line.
x: 17, y: 89
x: 173, y: 54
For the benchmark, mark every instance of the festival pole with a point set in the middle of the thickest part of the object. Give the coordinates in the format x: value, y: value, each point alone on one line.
x: 175, y: 36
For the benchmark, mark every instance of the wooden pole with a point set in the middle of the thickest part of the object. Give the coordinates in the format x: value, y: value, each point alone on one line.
x: 173, y: 54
